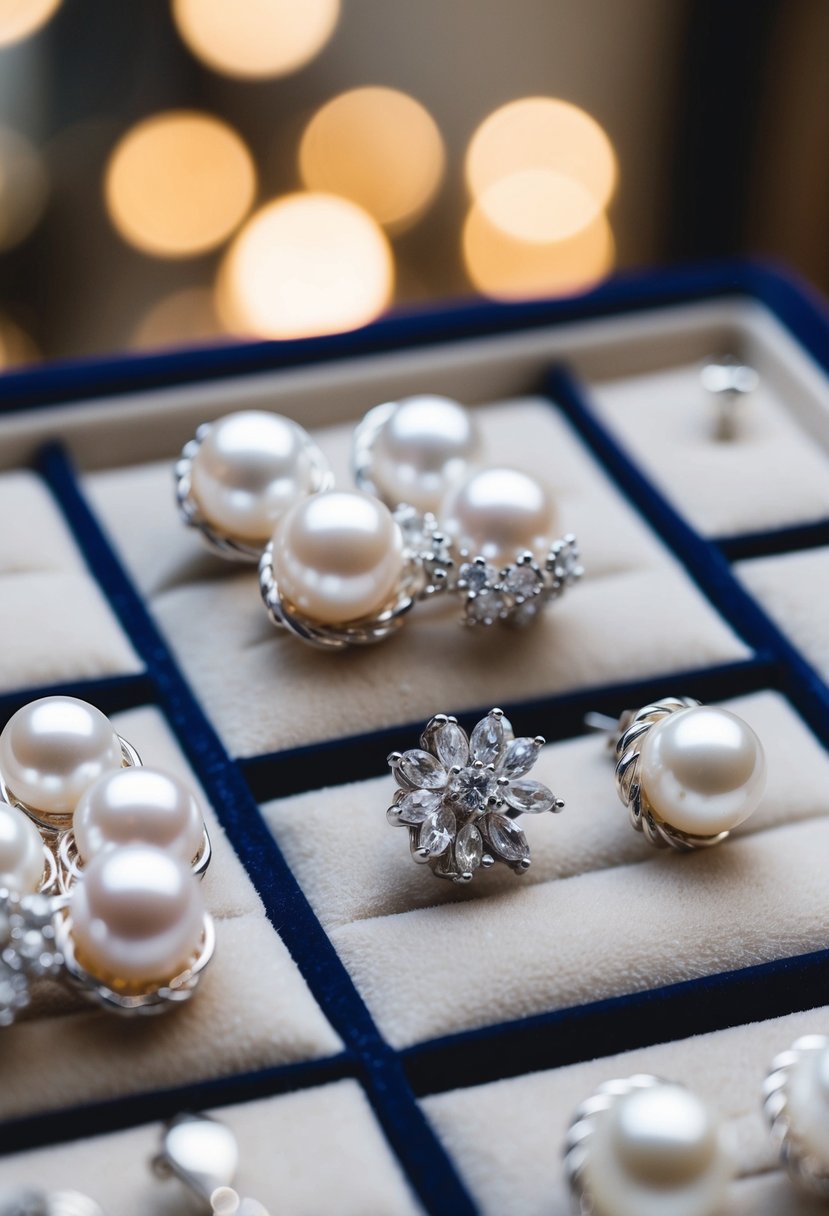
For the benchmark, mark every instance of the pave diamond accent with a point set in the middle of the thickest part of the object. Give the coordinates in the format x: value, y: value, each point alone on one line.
x: 28, y: 949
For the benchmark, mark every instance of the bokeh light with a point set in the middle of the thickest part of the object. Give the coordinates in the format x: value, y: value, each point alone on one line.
x: 255, y: 38
x: 21, y: 18
x: 179, y: 183
x: 378, y: 147
x: 181, y: 318
x: 24, y: 187
x: 305, y: 264
x: 16, y: 345
x: 541, y: 168
x: 506, y: 268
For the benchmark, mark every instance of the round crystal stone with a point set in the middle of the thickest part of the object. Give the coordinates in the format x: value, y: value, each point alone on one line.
x: 470, y: 789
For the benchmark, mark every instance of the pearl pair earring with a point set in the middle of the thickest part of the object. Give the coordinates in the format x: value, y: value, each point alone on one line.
x: 344, y: 567
x: 100, y: 859
x: 687, y: 772
x: 642, y: 1146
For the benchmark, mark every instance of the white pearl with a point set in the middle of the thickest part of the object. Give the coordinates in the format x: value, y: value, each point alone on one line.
x: 53, y: 749
x: 657, y: 1152
x: 703, y: 770
x: 807, y: 1090
x: 248, y: 470
x: 424, y: 447
x: 21, y: 852
x: 137, y: 916
x: 338, y: 557
x: 139, y: 805
x: 497, y: 513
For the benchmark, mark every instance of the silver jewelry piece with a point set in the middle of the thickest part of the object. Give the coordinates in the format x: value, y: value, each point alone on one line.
x: 641, y: 1146
x: 681, y: 804
x: 29, y: 948
x: 729, y: 381
x: 202, y: 1154
x: 284, y: 467
x: 796, y: 1107
x: 459, y: 796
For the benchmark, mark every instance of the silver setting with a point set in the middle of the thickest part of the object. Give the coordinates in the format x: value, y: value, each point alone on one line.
x: 155, y: 1000
x: 362, y: 444
x: 364, y: 632
x: 203, y: 1155
x: 804, y: 1167
x: 52, y: 827
x: 517, y: 592
x: 459, y: 796
x: 582, y: 1126
x: 29, y: 948
x: 69, y: 868
x: 729, y: 381
x: 221, y: 543
x: 633, y: 728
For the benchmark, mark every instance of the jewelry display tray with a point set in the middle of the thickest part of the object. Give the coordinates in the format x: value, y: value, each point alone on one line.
x: 382, y: 1042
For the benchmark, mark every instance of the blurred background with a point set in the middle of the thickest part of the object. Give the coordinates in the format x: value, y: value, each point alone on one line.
x: 179, y: 171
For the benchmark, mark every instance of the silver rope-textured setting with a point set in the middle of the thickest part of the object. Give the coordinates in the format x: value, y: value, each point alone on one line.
x: 582, y: 1126
x: 633, y: 729
x: 804, y: 1167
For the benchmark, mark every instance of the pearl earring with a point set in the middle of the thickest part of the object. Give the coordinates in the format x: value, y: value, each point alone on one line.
x: 239, y: 476
x: 796, y: 1103
x: 459, y: 796
x: 688, y: 773
x: 643, y: 1147
x: 99, y: 865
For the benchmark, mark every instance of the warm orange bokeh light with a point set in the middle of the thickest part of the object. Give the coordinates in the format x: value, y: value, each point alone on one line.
x: 16, y: 346
x: 506, y: 268
x: 378, y: 147
x: 562, y: 159
x: 183, y: 317
x: 255, y: 38
x: 21, y: 18
x: 24, y: 186
x: 179, y: 183
x: 305, y: 264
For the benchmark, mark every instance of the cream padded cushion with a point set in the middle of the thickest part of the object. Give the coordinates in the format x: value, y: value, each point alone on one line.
x: 317, y: 1152
x: 792, y: 589
x: 521, y: 1173
x: 770, y: 475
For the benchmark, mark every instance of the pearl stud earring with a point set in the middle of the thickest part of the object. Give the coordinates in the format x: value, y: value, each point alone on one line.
x: 796, y: 1103
x: 239, y: 476
x: 459, y: 796
x: 688, y: 773
x: 415, y: 450
x: 99, y: 865
x: 645, y: 1147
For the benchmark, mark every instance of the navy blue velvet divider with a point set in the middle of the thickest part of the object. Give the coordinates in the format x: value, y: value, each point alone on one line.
x: 375, y: 1064
x: 112, y: 695
x: 358, y: 757
x: 701, y: 558
x: 777, y: 541
x: 657, y: 1015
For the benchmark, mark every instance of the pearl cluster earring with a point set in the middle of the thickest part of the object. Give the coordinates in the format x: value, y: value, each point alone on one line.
x: 99, y: 865
x: 344, y: 567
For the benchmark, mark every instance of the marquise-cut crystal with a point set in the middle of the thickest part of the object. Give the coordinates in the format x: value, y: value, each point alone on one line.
x: 469, y: 849
x: 471, y: 788
x: 529, y: 797
x: 506, y: 838
x: 437, y: 831
x: 489, y: 739
x: 451, y: 744
x: 413, y: 808
x: 520, y: 757
x: 422, y: 770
